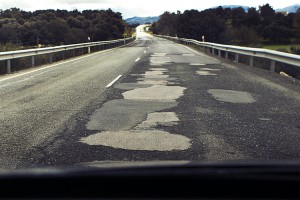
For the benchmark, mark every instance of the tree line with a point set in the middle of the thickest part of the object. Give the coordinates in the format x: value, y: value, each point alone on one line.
x: 232, y: 26
x: 56, y: 27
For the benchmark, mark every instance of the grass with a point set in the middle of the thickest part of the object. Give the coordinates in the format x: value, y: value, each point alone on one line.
x: 287, y: 47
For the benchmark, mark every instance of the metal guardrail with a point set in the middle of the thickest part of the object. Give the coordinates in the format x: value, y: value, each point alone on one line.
x: 9, y: 55
x: 273, y: 56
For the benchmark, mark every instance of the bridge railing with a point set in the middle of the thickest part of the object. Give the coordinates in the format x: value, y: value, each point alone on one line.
x: 237, y: 51
x: 80, y: 49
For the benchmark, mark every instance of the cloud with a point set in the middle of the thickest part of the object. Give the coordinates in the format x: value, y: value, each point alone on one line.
x: 130, y: 8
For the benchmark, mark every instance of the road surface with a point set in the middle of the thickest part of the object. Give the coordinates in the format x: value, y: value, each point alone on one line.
x: 150, y: 100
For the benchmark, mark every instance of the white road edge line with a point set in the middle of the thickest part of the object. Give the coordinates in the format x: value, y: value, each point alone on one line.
x: 20, y: 73
x: 190, y: 49
x: 198, y: 53
x: 113, y: 82
x: 137, y: 59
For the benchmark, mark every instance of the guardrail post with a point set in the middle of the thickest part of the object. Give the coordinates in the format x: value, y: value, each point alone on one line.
x: 89, y: 49
x: 236, y: 57
x: 219, y: 53
x: 251, y: 61
x: 32, y: 61
x: 8, y: 67
x: 51, y: 58
x: 63, y: 55
x: 73, y: 52
x: 226, y: 55
x: 272, y: 68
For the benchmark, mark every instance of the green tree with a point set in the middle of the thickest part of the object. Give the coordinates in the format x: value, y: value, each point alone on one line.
x: 297, y: 24
x: 266, y: 11
x: 252, y: 18
x: 54, y: 27
x: 277, y: 34
x: 167, y: 24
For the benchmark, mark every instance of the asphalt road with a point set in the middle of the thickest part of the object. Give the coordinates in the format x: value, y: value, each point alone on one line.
x: 171, y: 103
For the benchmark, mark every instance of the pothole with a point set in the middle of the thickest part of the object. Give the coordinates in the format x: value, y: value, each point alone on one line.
x: 159, y: 118
x: 188, y: 54
x: 123, y: 114
x: 153, y: 82
x: 159, y: 69
x: 155, y: 92
x: 152, y: 140
x: 154, y: 73
x: 205, y: 73
x: 157, y: 76
x: 204, y: 110
x: 159, y: 54
x: 159, y: 59
x: 209, y: 69
x: 264, y: 119
x: 197, y: 64
x: 131, y: 86
x: 232, y: 96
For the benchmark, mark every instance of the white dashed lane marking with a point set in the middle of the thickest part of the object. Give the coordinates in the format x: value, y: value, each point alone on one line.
x: 137, y: 59
x: 115, y: 80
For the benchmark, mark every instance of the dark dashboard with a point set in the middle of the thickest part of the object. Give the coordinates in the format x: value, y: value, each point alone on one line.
x: 185, y: 181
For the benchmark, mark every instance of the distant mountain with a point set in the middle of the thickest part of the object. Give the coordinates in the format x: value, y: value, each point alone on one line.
x: 290, y: 9
x: 141, y: 20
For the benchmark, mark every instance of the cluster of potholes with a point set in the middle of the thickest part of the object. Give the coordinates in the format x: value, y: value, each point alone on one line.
x: 136, y: 122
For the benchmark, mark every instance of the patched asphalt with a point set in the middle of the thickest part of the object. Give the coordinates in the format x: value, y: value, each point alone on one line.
x: 224, y: 112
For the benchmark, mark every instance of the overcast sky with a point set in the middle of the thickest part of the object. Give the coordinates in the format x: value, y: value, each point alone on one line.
x: 130, y: 8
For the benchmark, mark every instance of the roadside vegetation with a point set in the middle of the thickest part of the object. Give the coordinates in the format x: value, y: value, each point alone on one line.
x: 256, y: 28
x: 20, y: 29
x: 288, y: 48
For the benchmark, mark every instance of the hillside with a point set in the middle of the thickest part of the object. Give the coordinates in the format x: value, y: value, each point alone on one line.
x: 290, y: 9
x: 141, y: 20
